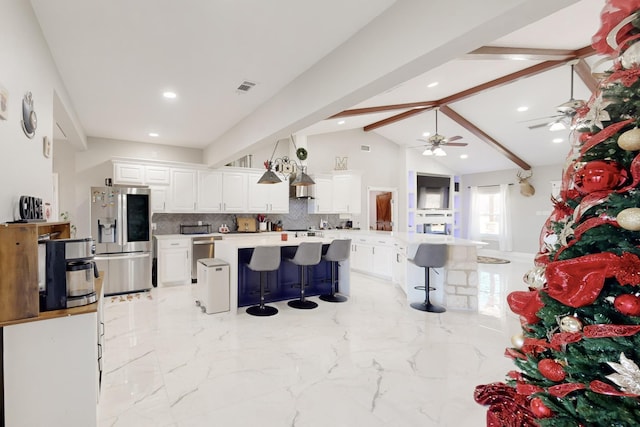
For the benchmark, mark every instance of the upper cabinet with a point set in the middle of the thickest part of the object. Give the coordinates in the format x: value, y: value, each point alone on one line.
x: 267, y: 198
x: 347, y: 193
x: 209, y: 191
x: 183, y: 190
x: 322, y: 202
x: 234, y: 191
x: 128, y: 173
x: 339, y: 193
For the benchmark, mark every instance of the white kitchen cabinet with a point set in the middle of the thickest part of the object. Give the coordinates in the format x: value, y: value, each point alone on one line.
x: 267, y: 198
x: 174, y: 261
x: 183, y: 190
x: 372, y: 255
x: 209, y: 191
x: 361, y: 255
x: 382, y: 256
x: 128, y: 173
x: 347, y: 193
x: 234, y: 191
x: 399, y: 269
x: 157, y: 175
x: 50, y: 372
x: 323, y: 195
x: 159, y: 198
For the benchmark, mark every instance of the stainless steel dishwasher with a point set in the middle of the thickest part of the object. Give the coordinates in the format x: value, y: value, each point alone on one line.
x: 201, y: 247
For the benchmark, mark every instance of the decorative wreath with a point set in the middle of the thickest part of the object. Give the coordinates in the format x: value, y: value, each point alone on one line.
x: 301, y: 153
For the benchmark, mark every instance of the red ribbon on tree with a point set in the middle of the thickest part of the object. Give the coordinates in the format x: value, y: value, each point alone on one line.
x: 525, y: 304
x: 603, y: 135
x: 604, y: 388
x: 610, y: 331
x: 507, y: 407
x: 561, y: 390
x: 577, y: 282
x: 612, y: 14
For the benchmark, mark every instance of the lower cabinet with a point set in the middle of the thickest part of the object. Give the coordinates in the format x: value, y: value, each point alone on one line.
x: 399, y: 269
x: 50, y: 372
x: 174, y: 261
x: 372, y: 256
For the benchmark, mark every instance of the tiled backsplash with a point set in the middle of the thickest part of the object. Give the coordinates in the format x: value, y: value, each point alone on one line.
x: 297, y: 218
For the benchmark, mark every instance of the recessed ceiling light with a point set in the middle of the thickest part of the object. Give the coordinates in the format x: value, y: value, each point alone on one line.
x: 153, y: 134
x: 426, y: 133
x: 434, y: 84
x: 341, y: 122
x: 557, y: 140
x: 523, y: 108
x: 169, y: 95
x: 464, y: 156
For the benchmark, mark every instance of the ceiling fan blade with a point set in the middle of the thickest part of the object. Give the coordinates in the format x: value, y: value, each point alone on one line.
x: 456, y: 144
x: 453, y: 138
x: 541, y: 125
x: 541, y: 118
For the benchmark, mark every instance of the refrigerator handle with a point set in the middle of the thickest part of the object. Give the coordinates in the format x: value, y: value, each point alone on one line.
x: 123, y: 220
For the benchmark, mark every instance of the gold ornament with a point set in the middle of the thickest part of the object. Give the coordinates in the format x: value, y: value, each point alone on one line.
x: 629, y: 219
x: 630, y: 140
x: 570, y: 324
x: 517, y: 341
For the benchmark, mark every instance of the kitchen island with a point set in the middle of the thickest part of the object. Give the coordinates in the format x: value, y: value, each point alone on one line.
x: 284, y: 283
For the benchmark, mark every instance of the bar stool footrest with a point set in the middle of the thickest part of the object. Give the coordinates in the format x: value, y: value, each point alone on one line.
x: 421, y: 288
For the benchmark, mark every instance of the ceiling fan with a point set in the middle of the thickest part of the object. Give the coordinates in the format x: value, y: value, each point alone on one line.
x: 566, y: 111
x: 433, y: 145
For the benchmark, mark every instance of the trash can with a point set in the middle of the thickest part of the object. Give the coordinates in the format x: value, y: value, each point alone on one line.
x: 212, y: 288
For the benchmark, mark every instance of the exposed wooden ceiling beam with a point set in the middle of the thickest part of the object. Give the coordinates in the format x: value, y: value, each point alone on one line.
x: 396, y: 118
x: 371, y: 110
x: 519, y: 53
x: 583, y: 71
x: 480, y: 134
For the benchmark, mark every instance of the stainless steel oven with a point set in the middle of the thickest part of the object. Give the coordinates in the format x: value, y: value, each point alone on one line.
x: 201, y: 247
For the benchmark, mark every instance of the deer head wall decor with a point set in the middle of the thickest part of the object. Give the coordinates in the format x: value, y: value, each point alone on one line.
x: 526, y: 189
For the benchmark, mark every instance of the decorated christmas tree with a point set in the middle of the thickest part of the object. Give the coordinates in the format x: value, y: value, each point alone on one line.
x: 578, y: 355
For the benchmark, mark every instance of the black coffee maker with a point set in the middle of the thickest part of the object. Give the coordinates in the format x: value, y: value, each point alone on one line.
x: 70, y: 271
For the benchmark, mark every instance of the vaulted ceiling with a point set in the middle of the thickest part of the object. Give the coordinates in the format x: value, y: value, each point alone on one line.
x: 365, y: 62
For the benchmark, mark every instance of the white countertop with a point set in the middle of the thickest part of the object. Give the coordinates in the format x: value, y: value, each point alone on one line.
x: 270, y: 239
x: 274, y: 236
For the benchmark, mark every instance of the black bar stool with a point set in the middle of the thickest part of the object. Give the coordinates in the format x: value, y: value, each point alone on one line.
x: 338, y: 251
x: 429, y: 256
x: 307, y: 254
x: 264, y: 259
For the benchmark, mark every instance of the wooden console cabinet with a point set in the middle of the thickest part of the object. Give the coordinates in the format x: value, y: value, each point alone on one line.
x: 19, y: 266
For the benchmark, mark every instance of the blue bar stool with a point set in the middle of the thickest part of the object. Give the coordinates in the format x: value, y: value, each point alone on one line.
x: 429, y: 256
x: 307, y: 254
x: 264, y: 259
x: 338, y: 251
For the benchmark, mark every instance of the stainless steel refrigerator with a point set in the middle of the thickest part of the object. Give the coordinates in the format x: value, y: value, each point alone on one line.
x: 121, y: 227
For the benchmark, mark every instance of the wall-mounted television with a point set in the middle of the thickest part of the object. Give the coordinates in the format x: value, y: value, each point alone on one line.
x: 433, y: 191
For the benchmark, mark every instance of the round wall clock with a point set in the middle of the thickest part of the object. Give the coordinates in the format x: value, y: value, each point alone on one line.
x: 29, y: 118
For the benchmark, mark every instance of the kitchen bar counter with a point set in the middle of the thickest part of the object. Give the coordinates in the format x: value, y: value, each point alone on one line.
x: 244, y: 283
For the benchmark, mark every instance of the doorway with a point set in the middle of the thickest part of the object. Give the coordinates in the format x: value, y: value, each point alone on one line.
x: 381, y: 208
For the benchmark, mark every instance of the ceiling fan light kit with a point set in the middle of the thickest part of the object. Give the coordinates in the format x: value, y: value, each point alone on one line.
x: 434, y: 144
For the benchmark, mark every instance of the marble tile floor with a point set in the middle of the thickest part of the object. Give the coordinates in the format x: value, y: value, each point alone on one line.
x: 372, y: 361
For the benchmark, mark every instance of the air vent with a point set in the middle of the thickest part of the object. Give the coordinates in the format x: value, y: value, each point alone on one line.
x: 366, y: 148
x: 245, y: 86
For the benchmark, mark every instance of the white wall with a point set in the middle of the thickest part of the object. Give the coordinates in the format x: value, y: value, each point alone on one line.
x: 528, y: 214
x: 379, y: 167
x: 26, y: 66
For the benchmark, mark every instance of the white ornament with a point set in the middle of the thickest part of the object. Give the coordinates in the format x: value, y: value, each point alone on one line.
x: 597, y: 112
x: 627, y: 376
x: 629, y: 219
x: 631, y: 56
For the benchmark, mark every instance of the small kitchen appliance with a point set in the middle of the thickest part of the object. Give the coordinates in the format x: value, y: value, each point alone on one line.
x: 70, y: 272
